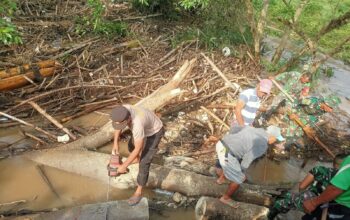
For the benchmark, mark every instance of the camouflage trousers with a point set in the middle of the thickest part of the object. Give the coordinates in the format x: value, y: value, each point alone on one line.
x: 292, y: 200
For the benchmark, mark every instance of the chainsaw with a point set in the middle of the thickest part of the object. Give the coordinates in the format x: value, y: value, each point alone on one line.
x: 112, y: 169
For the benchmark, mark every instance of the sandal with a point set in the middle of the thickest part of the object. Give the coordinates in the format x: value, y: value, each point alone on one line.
x: 134, y: 200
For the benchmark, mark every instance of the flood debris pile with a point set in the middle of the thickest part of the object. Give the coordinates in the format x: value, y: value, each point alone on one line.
x: 62, y: 75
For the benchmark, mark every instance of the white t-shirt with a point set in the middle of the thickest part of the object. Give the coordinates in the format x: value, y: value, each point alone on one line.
x: 144, y: 122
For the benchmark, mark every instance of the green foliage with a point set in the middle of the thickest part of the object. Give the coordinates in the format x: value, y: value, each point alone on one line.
x: 8, y: 31
x: 270, y: 67
x: 189, y: 4
x: 95, y: 22
x: 222, y: 24
x: 166, y: 7
x: 170, y: 8
x: 315, y: 15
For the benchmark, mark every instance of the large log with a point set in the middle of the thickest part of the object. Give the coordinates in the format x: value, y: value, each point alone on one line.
x: 210, y: 208
x: 187, y: 163
x: 19, y: 80
x: 120, y: 210
x: 93, y: 165
x: 154, y: 101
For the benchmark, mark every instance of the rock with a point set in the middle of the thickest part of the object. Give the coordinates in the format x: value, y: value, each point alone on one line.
x: 172, y: 205
x: 178, y: 198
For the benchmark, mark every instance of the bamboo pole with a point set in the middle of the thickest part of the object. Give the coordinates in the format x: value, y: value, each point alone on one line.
x: 23, y: 69
x: 51, y: 119
x: 234, y: 86
x: 215, y: 117
x: 29, y: 125
x: 20, y: 80
x: 282, y: 90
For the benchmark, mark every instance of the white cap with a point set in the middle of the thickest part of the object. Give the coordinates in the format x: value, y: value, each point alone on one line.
x: 275, y: 131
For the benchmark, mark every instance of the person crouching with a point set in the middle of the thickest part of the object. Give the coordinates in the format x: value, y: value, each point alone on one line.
x: 237, y: 150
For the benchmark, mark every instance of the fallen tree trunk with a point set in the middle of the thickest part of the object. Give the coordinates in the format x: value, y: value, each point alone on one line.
x: 210, y: 208
x: 187, y: 163
x: 93, y: 165
x: 120, y: 210
x: 152, y: 102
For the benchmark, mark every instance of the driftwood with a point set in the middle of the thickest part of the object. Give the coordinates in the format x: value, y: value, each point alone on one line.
x: 211, y: 208
x: 155, y: 100
x: 120, y: 210
x: 215, y: 117
x: 13, y: 203
x: 29, y: 125
x: 34, y: 138
x: 45, y: 94
x: 51, y: 119
x: 93, y: 165
x: 234, y: 86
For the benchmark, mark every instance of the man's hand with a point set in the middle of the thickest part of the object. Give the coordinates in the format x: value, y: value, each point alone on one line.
x: 309, y: 206
x: 115, y: 151
x: 122, y: 169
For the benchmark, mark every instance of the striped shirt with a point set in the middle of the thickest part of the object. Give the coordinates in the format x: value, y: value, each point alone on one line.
x: 252, y: 104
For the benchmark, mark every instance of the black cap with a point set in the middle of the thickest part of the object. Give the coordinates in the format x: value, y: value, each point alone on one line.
x: 119, y: 116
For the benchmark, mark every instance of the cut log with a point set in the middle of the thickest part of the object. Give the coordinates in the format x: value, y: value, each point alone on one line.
x: 152, y: 102
x: 19, y: 81
x: 210, y: 208
x: 93, y: 165
x: 23, y: 69
x: 120, y: 210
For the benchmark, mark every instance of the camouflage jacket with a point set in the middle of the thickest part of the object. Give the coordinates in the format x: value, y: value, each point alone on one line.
x: 291, y: 83
x: 322, y: 177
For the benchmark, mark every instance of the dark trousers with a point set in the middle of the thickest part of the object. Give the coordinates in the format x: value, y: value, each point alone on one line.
x: 149, y: 150
x: 338, y: 212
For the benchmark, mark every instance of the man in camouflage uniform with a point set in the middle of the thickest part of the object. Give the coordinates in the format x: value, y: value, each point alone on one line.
x: 313, y: 185
x: 297, y: 85
x: 309, y: 110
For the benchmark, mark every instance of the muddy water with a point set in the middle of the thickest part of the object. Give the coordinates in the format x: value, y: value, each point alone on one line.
x: 20, y: 180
